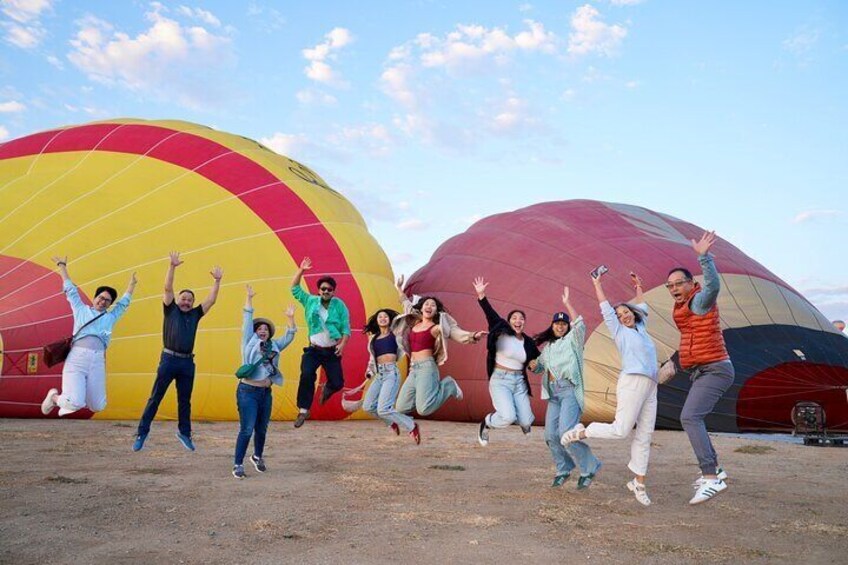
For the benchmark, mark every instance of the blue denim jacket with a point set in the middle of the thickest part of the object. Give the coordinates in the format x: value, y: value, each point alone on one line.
x: 251, y: 351
x: 102, y: 328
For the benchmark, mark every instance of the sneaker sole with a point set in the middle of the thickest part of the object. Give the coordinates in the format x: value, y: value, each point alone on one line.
x: 47, y: 405
x: 255, y: 466
x: 188, y: 448
x: 693, y: 502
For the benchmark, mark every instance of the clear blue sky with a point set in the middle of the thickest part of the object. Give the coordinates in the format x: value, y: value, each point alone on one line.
x: 430, y: 115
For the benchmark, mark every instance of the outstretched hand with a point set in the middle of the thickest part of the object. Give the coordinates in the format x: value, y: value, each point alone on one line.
x: 399, y: 283
x: 477, y: 336
x: 636, y: 280
x: 566, y: 293
x: 290, y: 311
x: 250, y: 292
x: 175, y: 258
x: 217, y: 272
x: 306, y: 264
x: 702, y: 246
x: 480, y: 287
x: 133, y: 279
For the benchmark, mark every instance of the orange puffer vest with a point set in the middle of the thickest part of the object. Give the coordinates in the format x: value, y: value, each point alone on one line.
x: 701, y: 340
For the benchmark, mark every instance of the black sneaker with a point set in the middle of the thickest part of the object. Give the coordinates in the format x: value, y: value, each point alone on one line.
x: 301, y: 418
x: 326, y: 393
x: 483, y: 433
x: 238, y: 471
x: 258, y: 463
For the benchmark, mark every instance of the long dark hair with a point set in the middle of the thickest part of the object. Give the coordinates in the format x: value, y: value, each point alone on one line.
x: 371, y: 327
x: 638, y: 317
x: 548, y: 335
x: 439, y: 306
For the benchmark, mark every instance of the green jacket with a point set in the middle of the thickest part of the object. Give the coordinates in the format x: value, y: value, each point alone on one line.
x: 338, y: 318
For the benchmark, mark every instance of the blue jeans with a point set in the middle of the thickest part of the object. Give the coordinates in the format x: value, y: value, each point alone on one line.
x: 422, y: 389
x: 254, y: 406
x: 171, y: 368
x: 564, y: 413
x: 380, y: 398
x: 511, y: 400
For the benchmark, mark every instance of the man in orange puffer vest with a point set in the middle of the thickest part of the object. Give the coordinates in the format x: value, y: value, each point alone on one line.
x: 704, y: 356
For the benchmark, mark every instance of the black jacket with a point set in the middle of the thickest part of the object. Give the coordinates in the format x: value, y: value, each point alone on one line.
x: 498, y: 327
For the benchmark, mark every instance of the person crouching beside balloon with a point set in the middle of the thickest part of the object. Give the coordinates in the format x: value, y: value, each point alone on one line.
x: 424, y: 329
x: 384, y: 352
x: 561, y: 366
x: 636, y: 391
x: 260, y: 355
x: 84, y: 372
x: 508, y: 353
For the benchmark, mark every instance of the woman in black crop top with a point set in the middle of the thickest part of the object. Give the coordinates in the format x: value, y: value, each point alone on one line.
x: 384, y: 352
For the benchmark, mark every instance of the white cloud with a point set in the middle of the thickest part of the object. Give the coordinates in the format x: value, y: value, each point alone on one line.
x: 323, y: 54
x: 809, y: 215
x: 401, y: 258
x: 625, y: 2
x: 25, y: 29
x: 310, y: 97
x: 4, y: 133
x: 286, y: 144
x: 591, y: 35
x: 200, y: 14
x: 54, y: 60
x: 25, y: 37
x: 412, y: 224
x: 11, y: 107
x: 513, y: 115
x: 632, y: 84
x: 168, y: 60
x: 375, y: 139
x: 525, y: 7
x: 801, y: 42
x: 25, y: 11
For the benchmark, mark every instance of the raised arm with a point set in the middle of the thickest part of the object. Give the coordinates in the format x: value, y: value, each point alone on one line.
x: 572, y: 313
x: 121, y: 305
x: 168, y: 296
x: 706, y: 299
x: 217, y: 273
x: 291, y: 329
x: 247, y: 318
x: 404, y: 299
x: 637, y: 284
x: 305, y: 265
x: 492, y: 317
x: 62, y: 264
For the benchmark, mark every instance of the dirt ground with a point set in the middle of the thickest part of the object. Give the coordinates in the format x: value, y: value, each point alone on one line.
x: 352, y: 492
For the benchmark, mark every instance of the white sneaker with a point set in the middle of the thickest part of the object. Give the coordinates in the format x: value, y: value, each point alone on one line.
x: 638, y: 490
x: 708, y: 489
x: 720, y: 474
x: 459, y: 393
x: 572, y: 435
x: 49, y: 402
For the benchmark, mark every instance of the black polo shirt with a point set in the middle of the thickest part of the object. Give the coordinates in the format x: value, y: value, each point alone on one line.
x: 180, y: 328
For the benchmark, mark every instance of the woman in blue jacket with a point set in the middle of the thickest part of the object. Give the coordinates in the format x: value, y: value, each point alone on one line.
x: 253, y: 395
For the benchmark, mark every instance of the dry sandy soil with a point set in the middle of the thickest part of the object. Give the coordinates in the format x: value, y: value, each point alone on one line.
x: 351, y: 492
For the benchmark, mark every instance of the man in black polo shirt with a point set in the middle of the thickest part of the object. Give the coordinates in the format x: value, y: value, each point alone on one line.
x: 177, y: 360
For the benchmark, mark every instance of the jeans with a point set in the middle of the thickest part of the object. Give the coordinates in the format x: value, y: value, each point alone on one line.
x: 511, y: 400
x: 636, y: 404
x: 380, y: 398
x: 314, y: 357
x: 171, y: 368
x: 83, y: 381
x: 564, y: 413
x: 254, y: 406
x: 709, y: 383
x: 422, y: 389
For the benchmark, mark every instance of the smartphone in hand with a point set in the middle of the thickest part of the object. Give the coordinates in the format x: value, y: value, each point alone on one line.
x: 598, y: 271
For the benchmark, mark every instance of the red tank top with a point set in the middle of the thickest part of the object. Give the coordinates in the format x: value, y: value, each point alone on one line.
x: 419, y: 341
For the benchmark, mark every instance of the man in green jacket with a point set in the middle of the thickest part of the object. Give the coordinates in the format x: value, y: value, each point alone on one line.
x: 328, y: 321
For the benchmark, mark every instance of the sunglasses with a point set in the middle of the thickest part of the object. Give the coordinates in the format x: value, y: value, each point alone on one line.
x: 677, y: 284
x: 326, y: 289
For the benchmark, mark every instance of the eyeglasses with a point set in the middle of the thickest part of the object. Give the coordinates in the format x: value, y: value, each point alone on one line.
x: 326, y: 289
x: 677, y: 284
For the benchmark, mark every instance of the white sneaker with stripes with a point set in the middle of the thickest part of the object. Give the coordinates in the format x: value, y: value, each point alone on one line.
x: 707, y: 490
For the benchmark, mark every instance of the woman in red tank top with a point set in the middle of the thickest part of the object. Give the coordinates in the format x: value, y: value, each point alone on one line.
x: 425, y: 328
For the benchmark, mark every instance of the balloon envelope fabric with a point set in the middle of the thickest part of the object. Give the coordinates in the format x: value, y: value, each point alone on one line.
x: 783, y: 349
x: 116, y: 197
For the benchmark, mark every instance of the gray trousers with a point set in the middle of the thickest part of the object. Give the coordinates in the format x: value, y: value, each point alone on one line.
x: 709, y: 383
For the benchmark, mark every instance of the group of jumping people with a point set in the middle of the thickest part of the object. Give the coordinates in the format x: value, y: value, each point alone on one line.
x: 422, y: 332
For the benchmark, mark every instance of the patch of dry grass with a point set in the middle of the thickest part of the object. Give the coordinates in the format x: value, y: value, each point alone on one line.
x: 810, y: 528
x: 693, y: 552
x: 754, y: 449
